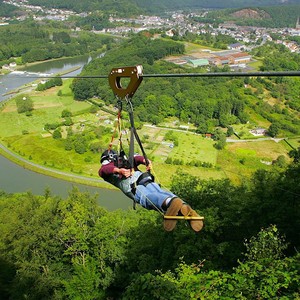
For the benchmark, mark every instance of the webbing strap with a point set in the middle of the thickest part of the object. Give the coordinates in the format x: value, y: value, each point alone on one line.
x: 134, y: 135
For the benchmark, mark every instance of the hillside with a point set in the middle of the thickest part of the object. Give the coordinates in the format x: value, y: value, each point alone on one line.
x: 137, y: 6
x: 199, y: 4
x: 264, y: 16
x: 7, y: 10
x: 248, y: 13
x: 269, y: 17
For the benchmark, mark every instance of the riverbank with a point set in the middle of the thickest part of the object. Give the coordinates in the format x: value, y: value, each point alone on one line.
x: 29, y: 87
x: 95, y: 182
x: 28, y: 65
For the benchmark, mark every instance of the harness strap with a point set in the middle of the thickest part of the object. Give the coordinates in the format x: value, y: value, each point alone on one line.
x: 135, y: 135
x: 144, y: 179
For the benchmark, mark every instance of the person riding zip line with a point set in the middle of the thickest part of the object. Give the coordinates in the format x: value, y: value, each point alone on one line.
x: 141, y: 188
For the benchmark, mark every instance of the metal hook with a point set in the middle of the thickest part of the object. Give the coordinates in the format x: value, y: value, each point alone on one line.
x: 135, y: 74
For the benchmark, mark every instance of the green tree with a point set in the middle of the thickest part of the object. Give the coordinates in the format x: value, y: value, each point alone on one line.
x: 230, y: 131
x: 280, y: 161
x: 68, y: 144
x: 295, y: 154
x: 24, y: 103
x: 83, y: 89
x: 66, y: 113
x: 80, y: 144
x: 62, y: 37
x: 57, y: 134
x: 273, y: 129
x: 68, y: 121
x: 220, y: 137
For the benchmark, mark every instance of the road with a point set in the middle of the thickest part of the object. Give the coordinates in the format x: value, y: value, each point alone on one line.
x: 228, y: 140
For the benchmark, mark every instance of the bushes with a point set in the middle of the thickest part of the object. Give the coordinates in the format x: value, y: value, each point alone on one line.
x: 193, y: 163
x: 57, y: 81
x: 264, y: 274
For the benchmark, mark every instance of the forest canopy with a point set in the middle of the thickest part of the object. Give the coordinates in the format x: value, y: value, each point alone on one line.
x: 44, y: 42
x: 53, y: 248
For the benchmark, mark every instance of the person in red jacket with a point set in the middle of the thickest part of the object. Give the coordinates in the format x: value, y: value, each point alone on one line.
x: 142, y: 189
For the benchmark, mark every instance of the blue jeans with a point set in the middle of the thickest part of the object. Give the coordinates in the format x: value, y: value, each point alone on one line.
x: 151, y: 196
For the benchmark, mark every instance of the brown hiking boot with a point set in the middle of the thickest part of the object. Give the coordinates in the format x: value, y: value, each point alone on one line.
x: 173, y: 210
x: 196, y: 225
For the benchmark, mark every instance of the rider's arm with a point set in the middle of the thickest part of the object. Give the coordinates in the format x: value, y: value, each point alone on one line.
x: 106, y: 169
x: 141, y: 160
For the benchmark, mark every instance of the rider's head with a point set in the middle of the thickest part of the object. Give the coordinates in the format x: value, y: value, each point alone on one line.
x: 109, y: 155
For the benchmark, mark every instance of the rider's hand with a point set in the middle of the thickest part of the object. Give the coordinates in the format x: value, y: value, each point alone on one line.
x: 149, y: 167
x: 125, y: 172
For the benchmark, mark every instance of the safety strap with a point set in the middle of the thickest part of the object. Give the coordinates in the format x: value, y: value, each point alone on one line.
x: 134, y: 135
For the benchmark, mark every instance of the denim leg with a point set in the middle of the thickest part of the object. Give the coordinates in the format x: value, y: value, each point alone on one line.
x: 152, y: 196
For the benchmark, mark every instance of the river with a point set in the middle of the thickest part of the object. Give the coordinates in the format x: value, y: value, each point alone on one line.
x: 17, y: 79
x: 16, y: 179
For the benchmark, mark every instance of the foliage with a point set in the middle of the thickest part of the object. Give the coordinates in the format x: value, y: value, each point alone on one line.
x: 66, y: 113
x: 190, y: 101
x: 135, y: 7
x: 277, y: 57
x: 97, y: 20
x: 57, y: 81
x: 220, y: 41
x: 220, y: 139
x: 52, y: 248
x: 269, y: 16
x: 56, y: 134
x: 52, y: 126
x: 295, y: 154
x: 24, y: 103
x: 260, y: 276
x: 40, y: 44
x: 273, y: 130
x: 7, y: 10
x: 121, y: 7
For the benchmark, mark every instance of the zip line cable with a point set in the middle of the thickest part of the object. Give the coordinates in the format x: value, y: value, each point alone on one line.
x: 178, y: 75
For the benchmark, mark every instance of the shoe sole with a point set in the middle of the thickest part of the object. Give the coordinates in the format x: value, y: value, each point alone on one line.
x: 196, y: 225
x: 173, y: 210
x: 185, y: 210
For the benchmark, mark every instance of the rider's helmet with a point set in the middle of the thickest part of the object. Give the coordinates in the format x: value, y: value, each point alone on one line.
x: 110, y: 155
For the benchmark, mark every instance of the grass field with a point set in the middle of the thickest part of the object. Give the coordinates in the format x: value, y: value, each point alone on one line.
x: 37, y: 145
x: 192, y: 47
x: 255, y: 64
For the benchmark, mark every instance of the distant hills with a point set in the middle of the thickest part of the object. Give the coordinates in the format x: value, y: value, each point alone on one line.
x: 216, y: 4
x: 139, y: 6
